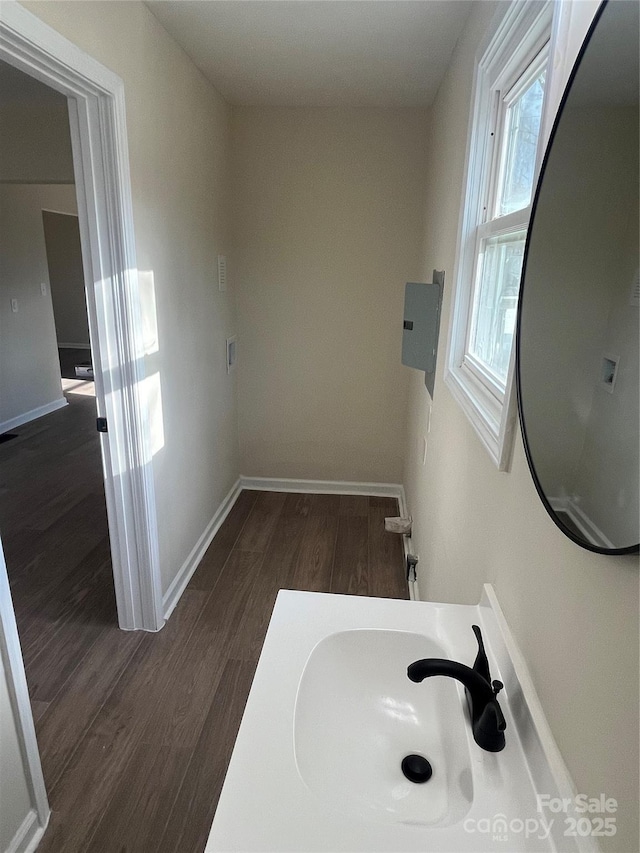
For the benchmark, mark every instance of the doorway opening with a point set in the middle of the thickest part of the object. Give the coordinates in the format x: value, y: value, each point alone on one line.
x: 52, y: 497
x: 98, y: 161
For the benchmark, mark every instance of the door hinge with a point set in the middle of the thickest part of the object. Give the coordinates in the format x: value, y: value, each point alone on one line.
x: 101, y: 425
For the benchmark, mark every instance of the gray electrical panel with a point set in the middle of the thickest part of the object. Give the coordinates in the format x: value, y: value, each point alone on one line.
x: 422, y: 304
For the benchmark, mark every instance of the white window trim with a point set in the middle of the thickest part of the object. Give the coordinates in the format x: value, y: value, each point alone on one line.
x: 492, y: 414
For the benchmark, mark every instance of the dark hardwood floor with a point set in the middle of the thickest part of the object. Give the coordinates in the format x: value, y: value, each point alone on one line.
x: 135, y: 730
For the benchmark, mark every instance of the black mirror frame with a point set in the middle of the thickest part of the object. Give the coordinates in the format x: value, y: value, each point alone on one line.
x: 631, y: 549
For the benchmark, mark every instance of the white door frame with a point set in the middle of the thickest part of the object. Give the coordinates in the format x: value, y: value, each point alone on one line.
x: 101, y: 166
x: 35, y: 820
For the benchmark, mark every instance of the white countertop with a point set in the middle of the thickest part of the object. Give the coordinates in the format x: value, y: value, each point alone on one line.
x: 265, y: 805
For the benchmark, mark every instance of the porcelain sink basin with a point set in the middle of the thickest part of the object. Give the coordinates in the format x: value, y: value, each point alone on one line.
x: 357, y: 715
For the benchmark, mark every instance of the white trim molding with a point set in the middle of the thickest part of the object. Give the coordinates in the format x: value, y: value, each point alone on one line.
x: 320, y: 487
x: 28, y: 836
x: 33, y: 415
x: 35, y: 821
x: 184, y: 575
x: 407, y: 546
x: 589, y: 529
x: 101, y: 166
x: 517, y: 35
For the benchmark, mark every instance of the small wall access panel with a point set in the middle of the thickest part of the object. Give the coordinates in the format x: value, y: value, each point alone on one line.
x: 422, y: 304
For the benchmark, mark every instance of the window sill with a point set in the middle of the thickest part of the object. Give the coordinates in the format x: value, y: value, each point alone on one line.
x: 492, y: 420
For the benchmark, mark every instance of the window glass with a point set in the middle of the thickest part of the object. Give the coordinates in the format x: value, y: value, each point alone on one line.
x: 496, y: 299
x: 519, y: 146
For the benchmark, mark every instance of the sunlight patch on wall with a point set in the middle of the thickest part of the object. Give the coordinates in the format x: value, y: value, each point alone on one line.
x: 147, y: 291
x: 151, y: 399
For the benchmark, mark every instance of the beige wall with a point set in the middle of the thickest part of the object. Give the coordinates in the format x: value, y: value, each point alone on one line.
x: 328, y: 225
x: 178, y: 130
x: 29, y: 366
x: 574, y: 613
x: 66, y: 277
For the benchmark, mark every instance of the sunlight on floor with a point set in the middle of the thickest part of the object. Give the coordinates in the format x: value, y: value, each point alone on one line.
x: 85, y: 387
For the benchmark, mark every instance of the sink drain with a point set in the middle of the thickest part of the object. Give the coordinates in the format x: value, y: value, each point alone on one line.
x: 416, y: 768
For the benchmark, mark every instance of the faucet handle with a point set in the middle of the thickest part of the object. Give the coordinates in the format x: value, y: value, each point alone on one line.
x: 481, y: 663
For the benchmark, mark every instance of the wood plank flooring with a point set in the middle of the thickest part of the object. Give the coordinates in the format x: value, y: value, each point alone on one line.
x: 136, y: 730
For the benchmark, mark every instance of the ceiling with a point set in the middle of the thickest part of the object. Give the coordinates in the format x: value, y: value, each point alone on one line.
x: 384, y: 53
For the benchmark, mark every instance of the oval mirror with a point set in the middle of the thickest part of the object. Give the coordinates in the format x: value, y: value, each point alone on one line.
x: 577, y: 339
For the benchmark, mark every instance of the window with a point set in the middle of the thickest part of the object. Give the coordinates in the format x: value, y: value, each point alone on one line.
x: 503, y: 157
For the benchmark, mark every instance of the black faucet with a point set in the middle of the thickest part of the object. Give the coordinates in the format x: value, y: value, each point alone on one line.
x: 487, y: 721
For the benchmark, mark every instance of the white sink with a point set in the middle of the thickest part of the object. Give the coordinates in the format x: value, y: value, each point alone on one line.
x: 332, y: 713
x: 357, y: 715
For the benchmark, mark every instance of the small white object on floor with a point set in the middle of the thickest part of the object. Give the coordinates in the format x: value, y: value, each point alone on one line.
x: 398, y: 525
x: 84, y: 370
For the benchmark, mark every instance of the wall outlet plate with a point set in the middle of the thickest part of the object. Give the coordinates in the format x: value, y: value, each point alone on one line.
x: 609, y: 371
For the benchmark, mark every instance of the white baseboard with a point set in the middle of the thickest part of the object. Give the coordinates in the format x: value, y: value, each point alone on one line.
x: 32, y: 415
x: 407, y: 546
x: 402, y: 505
x: 585, y: 525
x: 179, y: 583
x: 28, y: 836
x: 87, y: 345
x: 325, y: 487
